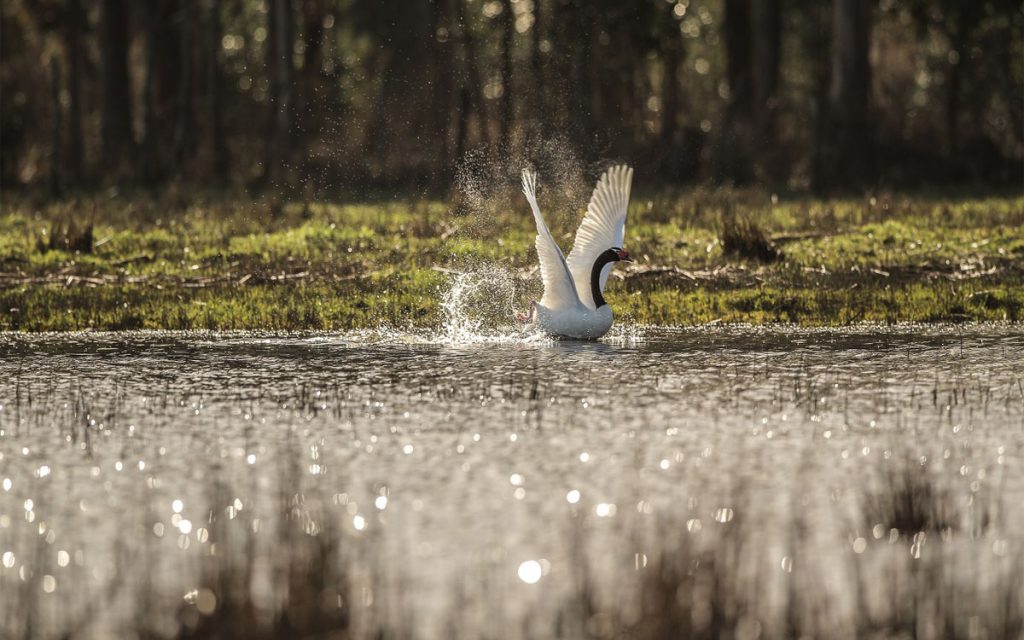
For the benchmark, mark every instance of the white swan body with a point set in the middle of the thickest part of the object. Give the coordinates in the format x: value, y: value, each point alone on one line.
x: 573, y: 305
x: 581, y: 323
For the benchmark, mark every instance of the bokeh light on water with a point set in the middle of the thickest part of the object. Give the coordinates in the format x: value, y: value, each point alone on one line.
x: 758, y: 483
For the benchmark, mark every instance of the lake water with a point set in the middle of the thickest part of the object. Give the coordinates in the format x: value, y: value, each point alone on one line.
x: 715, y: 482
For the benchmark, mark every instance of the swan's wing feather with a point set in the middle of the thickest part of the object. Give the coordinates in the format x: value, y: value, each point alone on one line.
x: 559, y: 291
x: 603, y: 227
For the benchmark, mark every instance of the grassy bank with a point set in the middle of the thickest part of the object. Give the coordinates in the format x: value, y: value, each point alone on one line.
x: 231, y: 264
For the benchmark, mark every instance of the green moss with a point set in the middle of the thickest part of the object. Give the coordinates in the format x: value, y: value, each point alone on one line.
x: 916, y: 302
x: 236, y: 264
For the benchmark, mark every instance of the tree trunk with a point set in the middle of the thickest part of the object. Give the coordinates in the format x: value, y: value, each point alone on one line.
x: 738, y: 49
x: 849, y: 147
x: 442, y: 63
x: 313, y: 36
x: 149, y: 171
x: 56, y: 144
x: 672, y: 60
x: 953, y: 107
x: 507, y: 33
x: 618, y: 107
x: 74, y: 18
x: 735, y: 139
x: 284, y: 72
x: 462, y: 121
x: 185, y: 22
x: 576, y: 18
x: 270, y: 63
x: 963, y: 25
x: 116, y: 111
x: 816, y: 41
x: 767, y: 40
x: 475, y: 83
x: 279, y: 70
x: 538, y: 101
x: 1009, y: 79
x: 218, y: 148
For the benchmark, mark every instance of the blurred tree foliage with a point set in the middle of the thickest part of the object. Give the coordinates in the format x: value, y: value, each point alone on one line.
x: 324, y: 93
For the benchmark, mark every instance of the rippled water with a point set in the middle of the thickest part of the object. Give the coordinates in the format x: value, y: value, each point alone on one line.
x: 665, y: 483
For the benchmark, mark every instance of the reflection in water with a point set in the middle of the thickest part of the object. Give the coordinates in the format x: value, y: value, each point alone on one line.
x: 686, y: 483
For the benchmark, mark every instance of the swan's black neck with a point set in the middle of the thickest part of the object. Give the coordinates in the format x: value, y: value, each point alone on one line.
x: 595, y: 276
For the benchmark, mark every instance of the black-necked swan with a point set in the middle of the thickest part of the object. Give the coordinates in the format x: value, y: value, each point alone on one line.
x: 573, y: 305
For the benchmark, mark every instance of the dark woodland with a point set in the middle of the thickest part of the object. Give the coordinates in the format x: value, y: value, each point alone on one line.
x: 837, y: 95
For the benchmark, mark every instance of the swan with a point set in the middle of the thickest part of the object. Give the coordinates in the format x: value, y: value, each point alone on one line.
x: 573, y: 305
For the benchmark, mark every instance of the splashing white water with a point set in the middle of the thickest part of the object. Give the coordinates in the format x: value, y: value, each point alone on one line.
x: 479, y: 307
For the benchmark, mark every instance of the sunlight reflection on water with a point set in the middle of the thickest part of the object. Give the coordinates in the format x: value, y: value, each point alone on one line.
x: 404, y: 483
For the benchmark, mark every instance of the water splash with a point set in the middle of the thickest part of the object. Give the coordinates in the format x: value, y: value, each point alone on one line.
x: 479, y: 307
x: 488, y: 183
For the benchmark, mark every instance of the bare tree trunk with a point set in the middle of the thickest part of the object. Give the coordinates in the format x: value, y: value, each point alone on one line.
x: 767, y: 41
x: 953, y: 107
x: 474, y: 81
x: 583, y: 95
x: 734, y: 147
x: 279, y: 69
x: 964, y: 21
x: 56, y: 143
x: 150, y: 153
x: 218, y: 147
x: 461, y: 122
x: 577, y: 17
x: 116, y: 112
x: 738, y: 55
x: 270, y: 150
x: 848, y: 94
x: 538, y: 101
x: 184, y: 20
x: 672, y: 60
x: 560, y: 103
x: 816, y: 42
x: 1010, y: 83
x: 74, y: 18
x: 618, y: 108
x: 284, y: 72
x: 507, y: 33
x: 442, y: 62
x: 313, y: 36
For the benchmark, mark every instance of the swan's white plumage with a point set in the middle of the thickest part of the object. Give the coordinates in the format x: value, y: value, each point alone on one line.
x: 567, y: 307
x: 559, y: 291
x: 603, y: 226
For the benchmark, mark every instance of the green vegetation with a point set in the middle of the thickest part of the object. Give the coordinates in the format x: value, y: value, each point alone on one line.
x: 226, y: 264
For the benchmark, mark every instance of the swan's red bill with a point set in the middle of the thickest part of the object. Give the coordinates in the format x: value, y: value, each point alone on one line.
x: 623, y: 255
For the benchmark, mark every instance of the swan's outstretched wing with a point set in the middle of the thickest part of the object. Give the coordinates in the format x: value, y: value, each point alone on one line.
x: 603, y: 227
x: 559, y: 291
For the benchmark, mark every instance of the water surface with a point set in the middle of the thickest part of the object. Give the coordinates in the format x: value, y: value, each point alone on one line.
x: 736, y: 481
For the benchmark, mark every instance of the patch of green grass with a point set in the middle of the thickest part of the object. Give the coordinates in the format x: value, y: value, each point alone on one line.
x: 914, y: 302
x: 316, y: 306
x: 223, y: 263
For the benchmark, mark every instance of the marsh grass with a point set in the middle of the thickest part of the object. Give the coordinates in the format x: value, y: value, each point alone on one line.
x: 728, y: 256
x: 67, y: 237
x: 743, y: 238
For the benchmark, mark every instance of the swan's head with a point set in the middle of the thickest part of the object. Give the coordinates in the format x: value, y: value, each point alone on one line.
x: 622, y: 254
